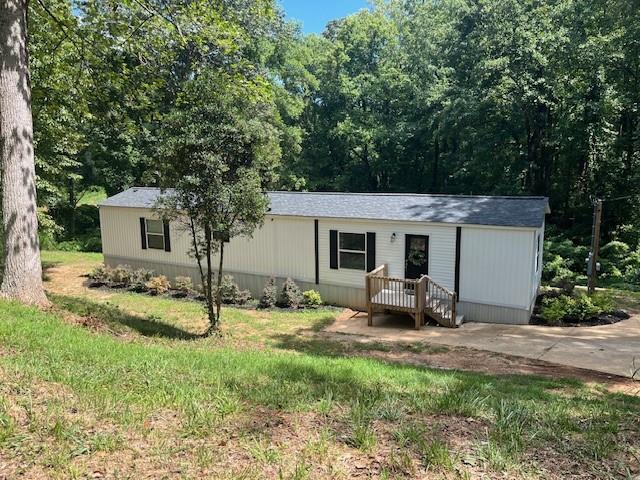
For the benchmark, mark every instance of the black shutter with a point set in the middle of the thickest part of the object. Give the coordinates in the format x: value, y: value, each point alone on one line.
x: 333, y: 249
x: 167, y: 239
x: 143, y: 233
x: 371, y: 251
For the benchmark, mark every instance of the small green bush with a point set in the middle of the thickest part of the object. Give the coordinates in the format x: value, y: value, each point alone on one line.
x: 102, y: 273
x: 69, y: 246
x: 269, y: 294
x: 158, y: 285
x: 584, y: 308
x: 554, y: 310
x: 312, y: 298
x: 231, y: 293
x: 183, y: 284
x: 139, y: 278
x: 121, y: 275
x: 578, y: 308
x: 603, y: 302
x: 290, y: 296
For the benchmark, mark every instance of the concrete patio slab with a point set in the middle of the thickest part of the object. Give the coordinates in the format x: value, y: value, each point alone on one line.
x: 608, y: 348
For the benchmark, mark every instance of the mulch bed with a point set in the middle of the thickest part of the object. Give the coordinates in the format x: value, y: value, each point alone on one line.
x: 606, y: 318
x: 191, y: 297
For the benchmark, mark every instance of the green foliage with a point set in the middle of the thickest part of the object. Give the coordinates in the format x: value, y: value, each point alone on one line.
x: 139, y: 278
x: 603, y: 302
x: 231, y: 293
x: 554, y: 310
x: 436, y: 453
x: 578, y: 308
x: 101, y: 273
x: 121, y: 275
x: 290, y: 295
x: 183, y: 284
x: 158, y: 285
x: 269, y: 294
x: 219, y: 149
x: 564, y: 263
x: 312, y: 298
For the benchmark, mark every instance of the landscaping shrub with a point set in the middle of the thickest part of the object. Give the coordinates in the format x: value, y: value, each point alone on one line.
x: 139, y: 278
x: 183, y: 284
x: 231, y: 293
x: 603, y: 302
x: 101, y: 274
x: 584, y: 308
x: 312, y: 298
x: 269, y: 294
x: 158, y: 285
x: 578, y: 308
x: 121, y: 275
x: 290, y: 296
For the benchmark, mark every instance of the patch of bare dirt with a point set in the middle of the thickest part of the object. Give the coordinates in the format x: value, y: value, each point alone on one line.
x: 68, y: 279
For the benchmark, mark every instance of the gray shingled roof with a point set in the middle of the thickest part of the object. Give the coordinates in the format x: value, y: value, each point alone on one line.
x: 457, y: 209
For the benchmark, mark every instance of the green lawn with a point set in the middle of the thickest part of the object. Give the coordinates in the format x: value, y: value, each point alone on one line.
x: 55, y: 257
x: 135, y: 391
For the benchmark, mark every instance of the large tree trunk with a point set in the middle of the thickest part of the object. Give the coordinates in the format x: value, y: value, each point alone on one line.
x: 22, y: 278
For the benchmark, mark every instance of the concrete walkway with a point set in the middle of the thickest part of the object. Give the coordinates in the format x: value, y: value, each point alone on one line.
x: 608, y: 348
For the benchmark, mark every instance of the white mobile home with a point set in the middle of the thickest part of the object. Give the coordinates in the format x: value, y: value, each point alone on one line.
x: 484, y: 251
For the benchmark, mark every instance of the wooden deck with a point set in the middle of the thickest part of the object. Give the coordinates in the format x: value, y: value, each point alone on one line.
x: 416, y: 297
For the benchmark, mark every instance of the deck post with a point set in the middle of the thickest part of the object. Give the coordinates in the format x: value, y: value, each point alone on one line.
x: 420, y: 294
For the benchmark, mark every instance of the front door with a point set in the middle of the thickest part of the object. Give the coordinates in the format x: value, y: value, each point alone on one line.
x: 416, y: 256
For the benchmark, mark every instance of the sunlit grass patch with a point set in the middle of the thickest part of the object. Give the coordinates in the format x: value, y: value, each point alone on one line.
x: 270, y: 380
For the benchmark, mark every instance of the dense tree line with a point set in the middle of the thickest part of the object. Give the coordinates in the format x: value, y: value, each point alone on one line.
x: 481, y: 97
x: 460, y: 96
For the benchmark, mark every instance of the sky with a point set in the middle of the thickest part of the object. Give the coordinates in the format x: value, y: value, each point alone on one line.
x: 314, y: 14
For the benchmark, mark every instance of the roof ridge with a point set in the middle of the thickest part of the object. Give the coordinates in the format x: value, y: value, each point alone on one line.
x: 382, y: 194
x: 406, y: 194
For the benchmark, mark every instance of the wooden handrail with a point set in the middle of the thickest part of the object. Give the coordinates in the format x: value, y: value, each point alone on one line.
x: 381, y: 269
x: 415, y: 296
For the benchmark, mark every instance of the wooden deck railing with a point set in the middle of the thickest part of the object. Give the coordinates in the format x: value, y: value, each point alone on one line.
x: 413, y: 296
x: 441, y: 303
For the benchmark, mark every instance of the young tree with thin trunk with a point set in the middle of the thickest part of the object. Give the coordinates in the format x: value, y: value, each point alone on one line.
x: 219, y: 150
x: 22, y: 276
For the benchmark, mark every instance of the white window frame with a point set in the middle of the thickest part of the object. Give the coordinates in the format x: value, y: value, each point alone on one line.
x: 360, y: 252
x: 152, y: 234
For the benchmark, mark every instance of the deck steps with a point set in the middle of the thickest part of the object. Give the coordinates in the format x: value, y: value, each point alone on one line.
x: 445, y: 320
x: 417, y: 297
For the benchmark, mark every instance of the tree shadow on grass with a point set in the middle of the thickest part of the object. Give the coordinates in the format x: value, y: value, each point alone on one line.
x: 536, y: 385
x: 115, y: 318
x: 46, y: 266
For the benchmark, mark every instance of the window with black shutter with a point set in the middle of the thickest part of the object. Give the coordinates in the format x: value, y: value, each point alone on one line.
x: 352, y: 253
x: 155, y: 234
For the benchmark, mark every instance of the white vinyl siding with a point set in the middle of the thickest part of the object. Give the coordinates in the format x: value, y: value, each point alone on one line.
x: 496, y: 266
x: 282, y: 247
x: 442, y: 240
